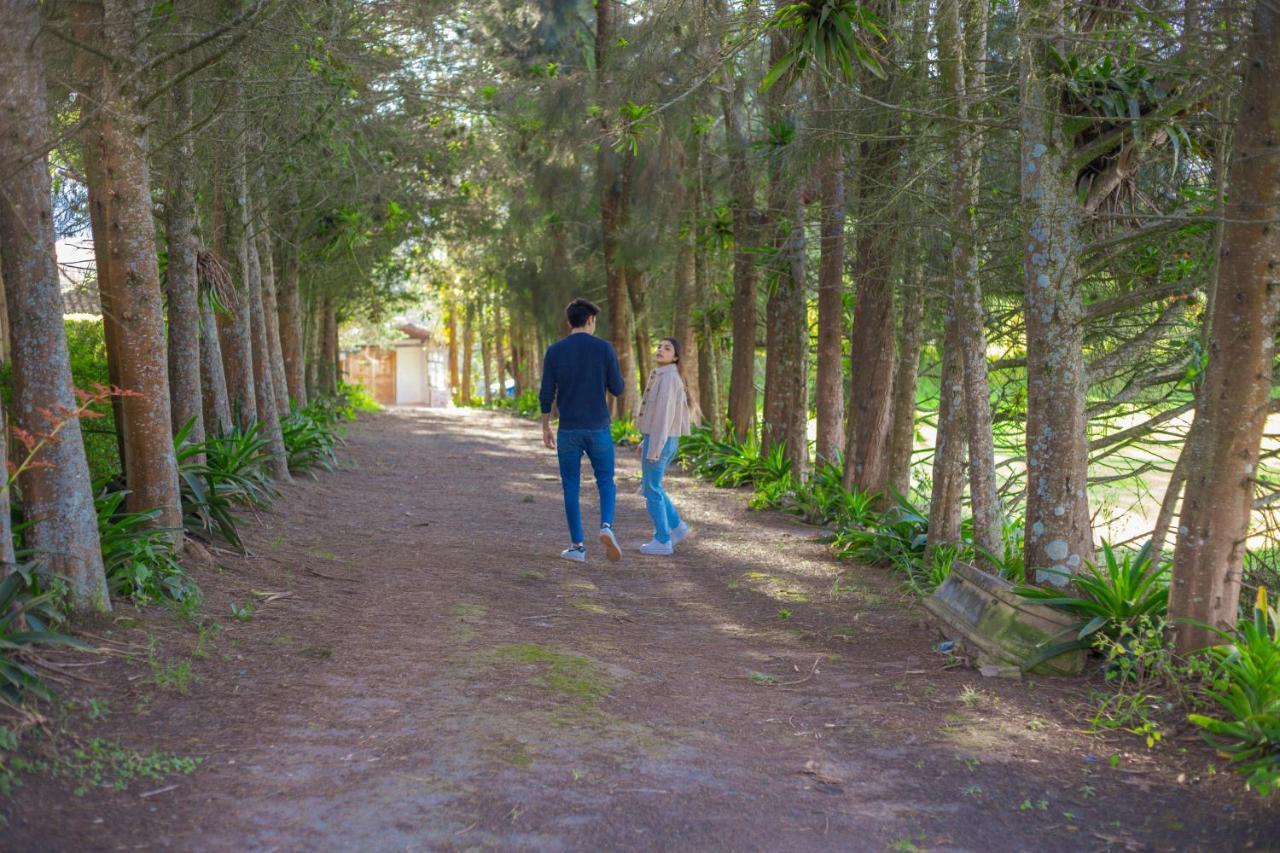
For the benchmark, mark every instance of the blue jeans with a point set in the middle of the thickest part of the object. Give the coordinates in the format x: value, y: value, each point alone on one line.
x: 656, y: 500
x: 598, y: 445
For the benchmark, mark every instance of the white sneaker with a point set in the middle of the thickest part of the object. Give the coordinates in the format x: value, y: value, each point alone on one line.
x: 653, y: 546
x: 679, y: 532
x: 612, y: 550
x: 577, y: 553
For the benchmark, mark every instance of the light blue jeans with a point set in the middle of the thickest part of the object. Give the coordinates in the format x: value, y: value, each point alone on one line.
x: 598, y: 445
x: 656, y: 500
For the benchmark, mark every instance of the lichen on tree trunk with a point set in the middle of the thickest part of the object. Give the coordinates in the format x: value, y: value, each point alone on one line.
x: 57, y: 495
x: 1059, y: 535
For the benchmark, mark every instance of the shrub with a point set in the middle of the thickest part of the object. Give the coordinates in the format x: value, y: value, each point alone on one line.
x: 311, y: 439
x: 27, y: 617
x: 897, y: 537
x: 352, y: 399
x: 624, y: 431
x: 87, y: 348
x: 1114, y: 596
x: 139, y: 558
x: 218, y: 473
x: 1246, y: 690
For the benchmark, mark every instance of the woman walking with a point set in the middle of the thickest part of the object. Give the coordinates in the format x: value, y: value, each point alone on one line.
x: 664, y: 417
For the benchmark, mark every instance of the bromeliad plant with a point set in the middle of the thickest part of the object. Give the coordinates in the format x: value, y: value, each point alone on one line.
x: 217, y: 474
x: 1246, y: 690
x: 311, y: 439
x: 138, y: 558
x: 1117, y: 593
x: 28, y: 615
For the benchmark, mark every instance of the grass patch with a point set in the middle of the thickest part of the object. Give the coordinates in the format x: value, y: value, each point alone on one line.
x: 572, y: 676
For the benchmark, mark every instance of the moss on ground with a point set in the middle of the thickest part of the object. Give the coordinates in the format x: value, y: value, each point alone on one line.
x: 573, y: 676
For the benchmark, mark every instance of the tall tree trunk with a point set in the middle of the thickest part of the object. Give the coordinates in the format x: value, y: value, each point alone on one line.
x: 468, y: 344
x: 786, y: 398
x: 485, y: 353
x: 277, y: 457
x: 216, y: 405
x: 962, y: 78
x: 708, y: 356
x: 182, y: 286
x: 235, y: 324
x: 119, y: 181
x: 685, y: 301
x: 451, y: 330
x: 906, y: 377
x: 7, y: 557
x: 875, y: 249
x: 830, y: 375
x: 742, y: 205
x: 271, y: 313
x: 56, y: 494
x: 612, y: 179
x: 637, y: 292
x: 1059, y: 535
x: 1232, y: 412
x: 289, y: 304
x: 949, y: 445
x: 313, y: 334
x: 327, y: 356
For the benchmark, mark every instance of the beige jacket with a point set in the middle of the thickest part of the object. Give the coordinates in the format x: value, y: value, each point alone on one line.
x: 664, y: 411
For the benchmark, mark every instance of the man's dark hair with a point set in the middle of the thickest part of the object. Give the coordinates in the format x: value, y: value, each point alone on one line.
x: 580, y: 311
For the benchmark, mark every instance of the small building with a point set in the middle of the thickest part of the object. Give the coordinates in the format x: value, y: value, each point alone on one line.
x: 413, y: 371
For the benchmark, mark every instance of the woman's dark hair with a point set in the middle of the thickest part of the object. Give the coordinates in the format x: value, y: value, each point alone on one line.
x: 580, y: 311
x: 675, y: 345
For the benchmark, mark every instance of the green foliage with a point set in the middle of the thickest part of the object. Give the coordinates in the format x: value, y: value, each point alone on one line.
x: 824, y: 500
x: 834, y: 35
x: 896, y: 538
x: 27, y: 618
x: 139, y: 558
x: 1113, y: 595
x: 1246, y: 691
x: 87, y: 349
x: 218, y: 473
x: 311, y: 439
x: 352, y: 400
x: 624, y: 432
x: 729, y: 463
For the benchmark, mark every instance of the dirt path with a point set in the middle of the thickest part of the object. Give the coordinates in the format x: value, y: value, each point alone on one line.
x: 439, y: 679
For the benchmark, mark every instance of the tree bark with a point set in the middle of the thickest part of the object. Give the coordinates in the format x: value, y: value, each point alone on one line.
x: 1059, y: 535
x: 326, y: 347
x: 216, y: 405
x: 875, y: 248
x: 57, y: 496
x: 119, y: 182
x: 786, y: 397
x: 182, y: 286
x: 270, y: 311
x: 637, y: 292
x: 949, y: 445
x: 1231, y: 415
x: 289, y: 303
x: 962, y: 77
x: 485, y: 359
x: 612, y: 216
x: 683, y: 325
x: 277, y: 457
x: 235, y: 324
x: 455, y: 381
x: 906, y: 378
x: 468, y: 345
x: 708, y: 363
x: 830, y: 374
x: 742, y: 205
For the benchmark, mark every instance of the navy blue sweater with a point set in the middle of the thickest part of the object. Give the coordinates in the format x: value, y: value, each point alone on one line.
x: 576, y: 372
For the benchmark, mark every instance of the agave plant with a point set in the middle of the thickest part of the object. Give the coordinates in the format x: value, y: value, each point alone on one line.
x: 1247, y: 691
x: 1120, y: 591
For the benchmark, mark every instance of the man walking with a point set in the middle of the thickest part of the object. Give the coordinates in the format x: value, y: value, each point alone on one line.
x: 576, y: 372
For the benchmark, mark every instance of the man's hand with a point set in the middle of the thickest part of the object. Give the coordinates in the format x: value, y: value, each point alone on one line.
x: 548, y: 436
